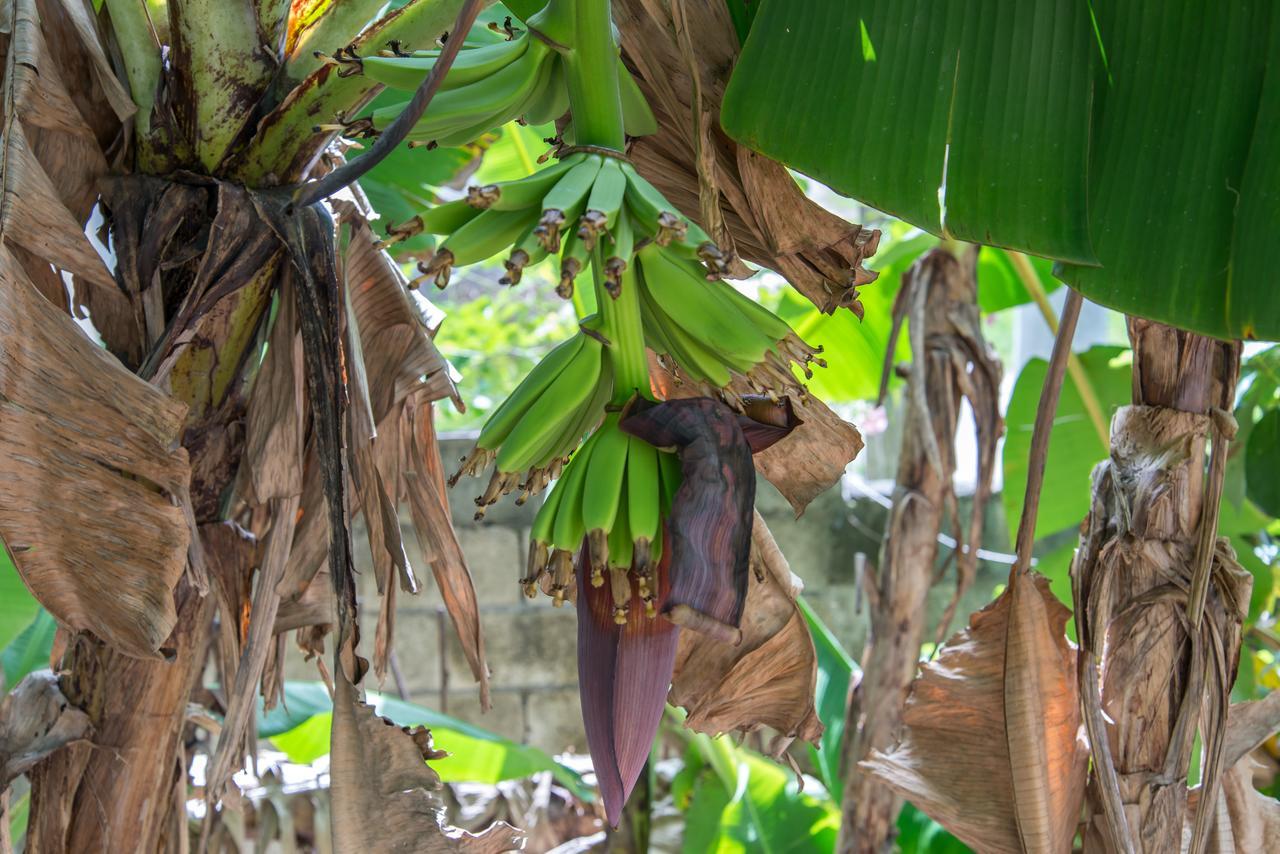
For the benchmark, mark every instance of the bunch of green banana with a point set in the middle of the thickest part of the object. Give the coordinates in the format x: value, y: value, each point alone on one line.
x: 487, y: 86
x: 704, y: 329
x: 530, y: 437
x: 567, y: 208
x: 613, y: 494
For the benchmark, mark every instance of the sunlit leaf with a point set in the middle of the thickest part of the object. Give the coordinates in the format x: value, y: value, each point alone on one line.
x: 835, y: 670
x: 300, y: 727
x: 1074, y: 444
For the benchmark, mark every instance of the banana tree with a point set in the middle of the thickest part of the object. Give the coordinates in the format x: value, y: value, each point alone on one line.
x: 1097, y: 94
x: 266, y: 373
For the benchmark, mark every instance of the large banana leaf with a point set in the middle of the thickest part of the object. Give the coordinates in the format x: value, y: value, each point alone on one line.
x: 1137, y: 136
x: 970, y: 119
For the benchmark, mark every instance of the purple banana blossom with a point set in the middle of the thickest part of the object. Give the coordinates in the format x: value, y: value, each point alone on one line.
x: 624, y: 671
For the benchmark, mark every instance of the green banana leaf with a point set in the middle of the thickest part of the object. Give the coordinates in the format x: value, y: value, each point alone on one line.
x: 1133, y: 141
x: 30, y: 649
x: 970, y: 119
x: 17, y: 606
x: 1074, y: 444
x: 835, y: 672
x: 753, y: 804
x: 300, y: 728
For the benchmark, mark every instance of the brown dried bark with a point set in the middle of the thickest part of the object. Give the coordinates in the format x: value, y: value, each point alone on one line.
x: 939, y: 300
x: 1145, y: 665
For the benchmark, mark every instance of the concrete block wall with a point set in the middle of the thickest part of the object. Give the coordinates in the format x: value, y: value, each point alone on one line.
x: 532, y: 646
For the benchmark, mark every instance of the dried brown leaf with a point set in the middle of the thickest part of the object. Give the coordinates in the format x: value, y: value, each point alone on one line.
x: 89, y: 477
x: 992, y: 747
x: 275, y: 422
x: 813, y: 458
x: 767, y: 217
x: 383, y: 791
x: 259, y: 640
x: 768, y: 679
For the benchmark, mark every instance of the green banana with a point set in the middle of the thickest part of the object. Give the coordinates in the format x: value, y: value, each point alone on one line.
x: 406, y: 73
x: 618, y: 248
x: 526, y: 192
x: 482, y: 237
x: 573, y: 260
x: 637, y: 118
x: 539, y: 542
x: 588, y: 418
x: 572, y: 386
x: 569, y: 194
x: 568, y: 531
x: 551, y: 101
x: 654, y: 214
x: 700, y: 307
x: 437, y: 219
x: 495, y: 99
x: 607, y: 193
x: 686, y: 352
x: 620, y: 551
x: 643, y: 499
x: 512, y: 410
x: 603, y: 489
x: 526, y: 252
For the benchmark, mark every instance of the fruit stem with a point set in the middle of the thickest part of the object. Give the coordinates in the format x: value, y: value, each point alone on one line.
x: 623, y: 327
x: 591, y: 67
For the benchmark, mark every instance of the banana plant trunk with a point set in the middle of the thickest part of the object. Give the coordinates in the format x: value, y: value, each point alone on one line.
x: 1151, y: 673
x: 949, y: 361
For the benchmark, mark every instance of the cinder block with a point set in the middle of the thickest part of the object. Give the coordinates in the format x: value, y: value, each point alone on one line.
x: 553, y: 721
x: 504, y: 718
x: 493, y: 555
x: 526, y: 648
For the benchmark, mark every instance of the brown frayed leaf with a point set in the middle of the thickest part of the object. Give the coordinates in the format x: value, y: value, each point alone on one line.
x: 429, y: 507
x: 384, y: 793
x: 35, y: 720
x: 104, y: 76
x: 90, y: 476
x: 813, y: 458
x: 769, y: 679
x: 275, y: 424
x: 766, y: 215
x: 32, y: 215
x: 998, y: 761
x: 1245, y: 821
x: 258, y: 644
x: 1248, y: 725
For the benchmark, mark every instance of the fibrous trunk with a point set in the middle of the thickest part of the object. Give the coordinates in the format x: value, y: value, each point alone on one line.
x: 950, y: 361
x: 1151, y: 674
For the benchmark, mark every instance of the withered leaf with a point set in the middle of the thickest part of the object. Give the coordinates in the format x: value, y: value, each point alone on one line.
x: 384, y: 793
x: 90, y: 476
x: 766, y: 217
x: 992, y: 746
x: 768, y: 679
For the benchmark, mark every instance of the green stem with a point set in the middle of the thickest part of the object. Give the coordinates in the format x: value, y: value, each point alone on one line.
x: 141, y: 52
x: 591, y: 66
x: 623, y: 327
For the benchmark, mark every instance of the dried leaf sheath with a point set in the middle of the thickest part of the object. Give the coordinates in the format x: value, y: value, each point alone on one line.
x: 89, y: 476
